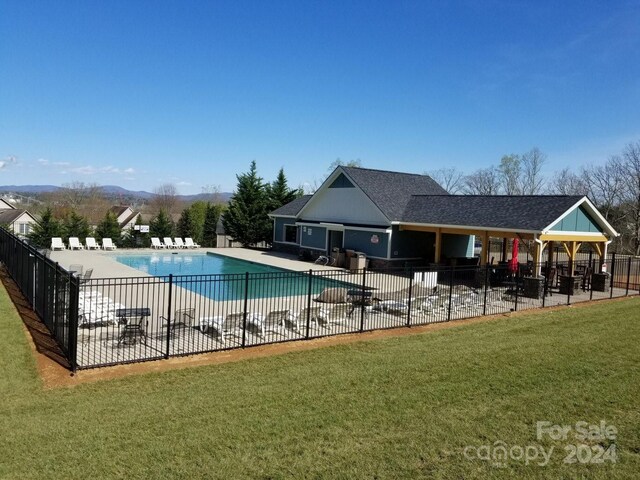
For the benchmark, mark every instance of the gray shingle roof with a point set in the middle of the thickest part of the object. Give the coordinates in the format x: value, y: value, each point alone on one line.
x: 10, y: 215
x: 530, y: 212
x: 392, y: 191
x: 292, y: 208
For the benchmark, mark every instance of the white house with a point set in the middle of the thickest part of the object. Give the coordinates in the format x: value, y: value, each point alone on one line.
x: 17, y: 221
x: 126, y: 216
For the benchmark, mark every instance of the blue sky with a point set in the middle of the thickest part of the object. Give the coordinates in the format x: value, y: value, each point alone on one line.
x: 142, y: 93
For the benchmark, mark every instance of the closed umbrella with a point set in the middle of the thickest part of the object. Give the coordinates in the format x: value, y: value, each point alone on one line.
x: 513, y: 264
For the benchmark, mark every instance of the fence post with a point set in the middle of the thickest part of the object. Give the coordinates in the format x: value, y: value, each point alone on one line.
x: 411, y: 273
x: 309, y: 290
x: 450, y: 293
x: 546, y: 283
x: 613, y: 271
x: 628, y: 275
x: 517, y: 287
x: 364, y: 285
x: 166, y: 355
x: 486, y: 288
x: 72, y: 350
x: 570, y: 286
x: 244, y: 309
x: 55, y: 300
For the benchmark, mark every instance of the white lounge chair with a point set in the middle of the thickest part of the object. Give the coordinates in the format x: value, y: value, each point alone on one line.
x: 57, y: 244
x: 179, y: 243
x: 74, y: 244
x: 189, y: 243
x: 107, y: 244
x: 92, y: 244
x: 155, y: 243
x: 169, y: 243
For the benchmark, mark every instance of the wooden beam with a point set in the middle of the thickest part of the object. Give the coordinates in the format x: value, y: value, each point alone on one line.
x: 467, y: 231
x: 572, y: 237
x: 485, y: 248
x: 596, y: 247
x: 438, y: 249
x: 566, y: 249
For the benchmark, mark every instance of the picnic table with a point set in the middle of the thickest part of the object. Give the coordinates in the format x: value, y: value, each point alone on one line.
x: 134, y: 325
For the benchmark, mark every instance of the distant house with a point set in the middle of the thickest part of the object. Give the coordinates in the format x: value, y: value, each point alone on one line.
x: 126, y: 216
x: 18, y: 221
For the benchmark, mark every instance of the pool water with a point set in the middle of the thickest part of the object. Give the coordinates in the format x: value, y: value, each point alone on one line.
x: 224, y: 278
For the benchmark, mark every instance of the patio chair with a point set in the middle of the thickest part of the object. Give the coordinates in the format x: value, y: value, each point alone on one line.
x: 280, y: 321
x: 155, y: 243
x: 168, y: 243
x: 75, y: 269
x: 178, y: 242
x: 189, y: 243
x: 74, y: 244
x: 234, y: 322
x: 207, y: 324
x: 183, y: 317
x: 107, y: 244
x: 57, y: 244
x: 87, y: 276
x: 317, y: 314
x: 92, y: 244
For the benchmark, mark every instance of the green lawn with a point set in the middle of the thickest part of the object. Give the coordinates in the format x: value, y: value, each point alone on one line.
x: 396, y: 408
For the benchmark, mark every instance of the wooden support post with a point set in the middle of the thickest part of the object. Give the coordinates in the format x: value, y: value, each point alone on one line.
x: 438, y: 249
x: 537, y: 258
x: 485, y: 248
x: 504, y: 250
x: 551, y: 246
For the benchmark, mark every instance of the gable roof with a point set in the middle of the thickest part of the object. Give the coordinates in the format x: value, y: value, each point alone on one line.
x: 119, y: 209
x: 5, y: 204
x: 520, y: 212
x: 10, y: 216
x: 129, y: 219
x: 392, y: 191
x: 292, y: 208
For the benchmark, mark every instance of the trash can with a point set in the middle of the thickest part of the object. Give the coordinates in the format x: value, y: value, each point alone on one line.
x: 358, y: 261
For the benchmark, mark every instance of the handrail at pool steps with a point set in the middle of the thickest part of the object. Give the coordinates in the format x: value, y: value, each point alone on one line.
x: 108, y: 321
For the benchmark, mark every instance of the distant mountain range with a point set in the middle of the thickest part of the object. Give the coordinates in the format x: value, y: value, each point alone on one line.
x: 111, y: 191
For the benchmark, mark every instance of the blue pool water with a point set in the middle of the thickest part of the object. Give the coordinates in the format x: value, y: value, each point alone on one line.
x: 223, y: 278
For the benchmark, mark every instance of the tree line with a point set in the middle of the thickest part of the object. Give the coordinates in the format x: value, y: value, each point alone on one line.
x: 73, y: 212
x: 614, y: 187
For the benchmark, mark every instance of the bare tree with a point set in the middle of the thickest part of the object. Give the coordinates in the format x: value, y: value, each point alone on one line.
x: 85, y: 199
x: 630, y: 165
x: 339, y: 162
x: 451, y: 179
x: 531, y: 163
x: 213, y: 194
x: 509, y: 174
x: 566, y: 182
x: 605, y: 184
x: 165, y: 197
x: 482, y: 182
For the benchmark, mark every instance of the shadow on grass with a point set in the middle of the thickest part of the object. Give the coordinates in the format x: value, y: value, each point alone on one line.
x: 42, y: 339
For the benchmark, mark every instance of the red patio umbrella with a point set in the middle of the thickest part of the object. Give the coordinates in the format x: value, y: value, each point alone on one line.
x: 513, y: 263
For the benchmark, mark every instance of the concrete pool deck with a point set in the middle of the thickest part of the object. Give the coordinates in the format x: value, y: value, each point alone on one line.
x: 106, y: 266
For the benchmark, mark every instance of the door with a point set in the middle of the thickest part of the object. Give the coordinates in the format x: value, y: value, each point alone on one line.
x: 335, y: 239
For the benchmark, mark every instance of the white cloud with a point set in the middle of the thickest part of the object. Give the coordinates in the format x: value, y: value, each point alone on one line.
x: 184, y: 184
x: 61, y: 164
x: 129, y: 170
x: 10, y: 160
x: 43, y: 161
x: 86, y: 170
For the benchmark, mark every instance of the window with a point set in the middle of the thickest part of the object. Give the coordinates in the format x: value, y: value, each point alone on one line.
x: 23, y: 228
x: 290, y: 234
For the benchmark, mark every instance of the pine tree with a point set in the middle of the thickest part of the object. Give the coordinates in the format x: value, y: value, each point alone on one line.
x: 186, y: 225
x: 76, y: 225
x: 209, y: 236
x: 246, y: 219
x: 109, y: 228
x: 45, y: 229
x: 161, y: 225
x: 279, y: 192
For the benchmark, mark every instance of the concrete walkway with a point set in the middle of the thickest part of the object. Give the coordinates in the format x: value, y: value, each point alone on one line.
x: 105, y: 265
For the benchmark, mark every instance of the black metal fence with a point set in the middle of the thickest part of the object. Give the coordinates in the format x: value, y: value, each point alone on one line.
x: 109, y: 321
x: 51, y: 291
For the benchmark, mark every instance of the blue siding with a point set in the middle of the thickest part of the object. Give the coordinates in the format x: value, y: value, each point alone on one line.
x: 313, y: 237
x: 577, y: 221
x: 278, y: 229
x: 456, y: 246
x: 360, y: 241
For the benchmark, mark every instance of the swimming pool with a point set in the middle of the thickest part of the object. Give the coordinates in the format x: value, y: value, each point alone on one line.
x: 224, y: 278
